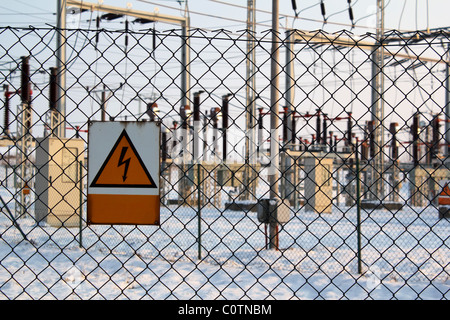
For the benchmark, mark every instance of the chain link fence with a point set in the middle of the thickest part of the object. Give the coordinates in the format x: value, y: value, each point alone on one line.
x: 335, y: 190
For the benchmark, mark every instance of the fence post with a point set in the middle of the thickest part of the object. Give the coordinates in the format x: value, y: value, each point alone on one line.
x: 81, y: 203
x: 358, y: 208
x: 274, y: 169
x: 199, y: 214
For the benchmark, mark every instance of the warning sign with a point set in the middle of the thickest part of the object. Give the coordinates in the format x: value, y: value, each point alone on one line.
x: 123, y: 167
x: 444, y: 196
x: 123, y: 173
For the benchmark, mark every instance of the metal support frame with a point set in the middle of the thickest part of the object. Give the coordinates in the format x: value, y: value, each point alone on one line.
x: 182, y: 21
x: 60, y: 129
x: 274, y: 170
x: 24, y: 169
x: 250, y: 89
x: 377, y: 107
x: 378, y: 53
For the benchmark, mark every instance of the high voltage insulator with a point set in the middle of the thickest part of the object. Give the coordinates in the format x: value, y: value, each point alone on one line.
x: 197, y: 128
x: 197, y: 105
x: 365, y: 144
x: 205, y: 133
x: 294, y: 128
x: 394, y: 144
x: 415, y: 139
x: 324, y: 129
x: 53, y: 89
x: 6, y: 116
x: 436, y: 137
x: 322, y: 9
x: 285, y: 125
x: 126, y: 34
x: 164, y: 145
x: 25, y: 81
x: 294, y: 7
x: 25, y: 91
x: 349, y: 129
x: 110, y: 16
x: 98, y: 27
x: 332, y: 148
x: 225, y: 100
x: 174, y: 141
x: 371, y: 134
x: 318, y: 131
x: 350, y: 12
x: 260, y: 130
x: 153, y: 40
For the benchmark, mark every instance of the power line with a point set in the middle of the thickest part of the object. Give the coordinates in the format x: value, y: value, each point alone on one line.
x: 15, y: 13
x: 297, y: 15
x: 244, y: 7
x: 32, y: 6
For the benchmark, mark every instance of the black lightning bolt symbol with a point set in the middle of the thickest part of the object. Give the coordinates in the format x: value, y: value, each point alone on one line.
x: 124, y: 162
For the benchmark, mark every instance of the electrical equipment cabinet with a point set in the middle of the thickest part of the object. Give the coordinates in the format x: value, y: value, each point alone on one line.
x: 59, y: 183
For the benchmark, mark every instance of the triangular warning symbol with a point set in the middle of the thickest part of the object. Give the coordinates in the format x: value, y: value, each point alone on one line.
x: 123, y: 167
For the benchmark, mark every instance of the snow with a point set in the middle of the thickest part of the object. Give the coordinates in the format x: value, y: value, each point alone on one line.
x: 404, y: 256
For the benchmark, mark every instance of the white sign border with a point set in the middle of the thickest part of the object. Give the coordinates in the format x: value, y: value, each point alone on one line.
x: 144, y: 135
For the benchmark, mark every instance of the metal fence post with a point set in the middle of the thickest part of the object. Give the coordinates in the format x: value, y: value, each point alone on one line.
x: 199, y: 213
x: 81, y: 204
x: 358, y: 208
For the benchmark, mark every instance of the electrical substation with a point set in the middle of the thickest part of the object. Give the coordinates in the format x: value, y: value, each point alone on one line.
x: 317, y: 171
x: 162, y: 156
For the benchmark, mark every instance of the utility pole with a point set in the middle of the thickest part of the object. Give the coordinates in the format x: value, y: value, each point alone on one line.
x: 250, y: 114
x: 273, y: 172
x: 185, y: 60
x: 377, y: 183
x: 104, y: 99
x: 61, y: 66
x: 290, y: 142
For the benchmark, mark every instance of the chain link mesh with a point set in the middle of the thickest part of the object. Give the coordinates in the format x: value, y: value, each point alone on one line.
x: 362, y: 144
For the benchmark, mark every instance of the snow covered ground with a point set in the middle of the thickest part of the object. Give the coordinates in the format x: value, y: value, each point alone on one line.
x: 405, y: 255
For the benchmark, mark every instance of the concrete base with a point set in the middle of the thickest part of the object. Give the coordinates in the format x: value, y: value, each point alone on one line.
x: 379, y: 205
x: 444, y: 212
x: 247, y: 205
x: 175, y: 201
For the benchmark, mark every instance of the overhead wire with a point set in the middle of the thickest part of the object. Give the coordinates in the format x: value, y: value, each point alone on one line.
x: 25, y: 13
x: 242, y: 21
x: 401, y: 15
x: 244, y: 7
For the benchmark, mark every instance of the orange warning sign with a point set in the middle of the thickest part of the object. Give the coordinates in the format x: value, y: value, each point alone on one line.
x: 123, y: 175
x: 123, y: 209
x: 444, y: 196
x: 123, y: 167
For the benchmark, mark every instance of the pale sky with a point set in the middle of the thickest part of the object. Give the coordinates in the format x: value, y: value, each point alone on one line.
x: 211, y: 14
